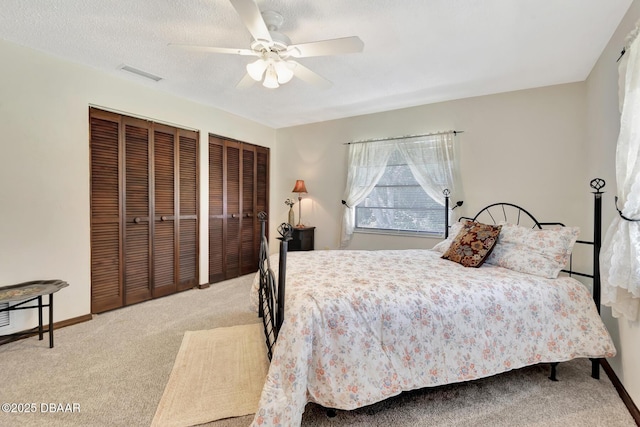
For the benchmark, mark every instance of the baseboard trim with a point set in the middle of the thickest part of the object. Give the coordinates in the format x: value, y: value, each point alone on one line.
x: 631, y: 406
x: 45, y: 328
x: 203, y: 286
x: 73, y: 321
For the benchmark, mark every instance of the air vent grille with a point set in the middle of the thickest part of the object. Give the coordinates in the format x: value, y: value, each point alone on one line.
x: 4, y: 315
x: 140, y: 73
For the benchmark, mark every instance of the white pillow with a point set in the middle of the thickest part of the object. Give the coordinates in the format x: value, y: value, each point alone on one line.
x: 453, y: 232
x: 539, y: 252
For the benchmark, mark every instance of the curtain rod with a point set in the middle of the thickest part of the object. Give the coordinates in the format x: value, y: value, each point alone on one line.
x: 454, y: 132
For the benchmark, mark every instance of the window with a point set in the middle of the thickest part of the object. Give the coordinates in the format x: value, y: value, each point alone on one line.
x: 398, y: 203
x: 395, y: 185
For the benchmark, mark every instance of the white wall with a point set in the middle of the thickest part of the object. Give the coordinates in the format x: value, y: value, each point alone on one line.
x: 524, y: 147
x: 603, y: 125
x: 44, y: 166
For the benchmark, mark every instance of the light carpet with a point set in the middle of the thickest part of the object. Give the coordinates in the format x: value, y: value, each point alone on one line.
x: 218, y: 373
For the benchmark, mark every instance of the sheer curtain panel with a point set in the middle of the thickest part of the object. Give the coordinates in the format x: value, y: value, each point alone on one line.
x: 433, y: 163
x: 366, y: 165
x: 620, y: 255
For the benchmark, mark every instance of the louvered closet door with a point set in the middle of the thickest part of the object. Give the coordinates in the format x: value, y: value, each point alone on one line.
x: 137, y: 243
x: 238, y: 190
x: 143, y: 174
x: 216, y: 209
x: 164, y: 225
x: 248, y: 245
x: 233, y: 209
x: 188, y: 210
x: 106, y: 286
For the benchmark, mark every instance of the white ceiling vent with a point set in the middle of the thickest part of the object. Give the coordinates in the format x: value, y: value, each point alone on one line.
x: 140, y: 73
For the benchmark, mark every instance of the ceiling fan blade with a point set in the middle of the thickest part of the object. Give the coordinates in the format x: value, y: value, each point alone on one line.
x: 252, y: 18
x: 245, y: 82
x: 210, y: 49
x: 311, y: 77
x: 326, y: 47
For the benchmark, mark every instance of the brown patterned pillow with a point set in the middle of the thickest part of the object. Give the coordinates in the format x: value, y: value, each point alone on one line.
x: 473, y: 244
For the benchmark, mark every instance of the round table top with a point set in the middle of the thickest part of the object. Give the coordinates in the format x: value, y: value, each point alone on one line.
x: 30, y: 289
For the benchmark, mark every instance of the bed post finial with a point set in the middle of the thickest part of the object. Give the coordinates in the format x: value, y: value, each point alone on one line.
x: 597, y: 184
x: 286, y: 232
x: 262, y: 217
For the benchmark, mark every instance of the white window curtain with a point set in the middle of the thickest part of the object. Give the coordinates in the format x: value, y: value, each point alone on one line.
x: 433, y: 163
x: 431, y: 158
x: 620, y: 254
x: 367, y: 162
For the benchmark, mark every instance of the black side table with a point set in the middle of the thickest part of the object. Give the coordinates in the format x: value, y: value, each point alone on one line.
x: 31, y: 291
x: 302, y: 239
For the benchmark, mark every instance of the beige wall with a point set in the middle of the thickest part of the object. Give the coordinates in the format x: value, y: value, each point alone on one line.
x: 44, y: 166
x: 603, y: 125
x: 524, y: 147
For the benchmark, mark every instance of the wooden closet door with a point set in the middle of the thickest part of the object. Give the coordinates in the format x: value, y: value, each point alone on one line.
x: 238, y: 190
x: 216, y: 209
x: 249, y: 245
x: 164, y: 223
x: 142, y: 175
x: 137, y: 226
x: 106, y: 283
x: 188, y: 210
x: 233, y: 209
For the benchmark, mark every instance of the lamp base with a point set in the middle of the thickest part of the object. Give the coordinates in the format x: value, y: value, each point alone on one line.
x: 300, y: 224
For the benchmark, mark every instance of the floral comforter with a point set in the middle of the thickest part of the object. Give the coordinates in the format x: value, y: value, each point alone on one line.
x: 361, y: 326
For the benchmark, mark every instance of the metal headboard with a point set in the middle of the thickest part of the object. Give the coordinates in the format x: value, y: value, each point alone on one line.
x: 507, y: 212
x: 500, y: 212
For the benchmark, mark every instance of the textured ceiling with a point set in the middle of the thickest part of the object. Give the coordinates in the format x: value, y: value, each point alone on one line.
x: 416, y: 51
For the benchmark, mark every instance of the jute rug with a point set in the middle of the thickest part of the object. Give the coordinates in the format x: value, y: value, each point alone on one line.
x: 217, y: 374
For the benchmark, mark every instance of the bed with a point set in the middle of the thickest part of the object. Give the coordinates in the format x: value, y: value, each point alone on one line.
x: 346, y: 329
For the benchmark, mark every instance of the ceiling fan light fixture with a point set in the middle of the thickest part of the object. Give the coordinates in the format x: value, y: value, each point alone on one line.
x: 271, y: 78
x: 284, y: 70
x: 256, y: 69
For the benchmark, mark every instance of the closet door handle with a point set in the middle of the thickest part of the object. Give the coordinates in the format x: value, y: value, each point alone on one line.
x: 137, y: 219
x: 233, y: 215
x: 163, y: 218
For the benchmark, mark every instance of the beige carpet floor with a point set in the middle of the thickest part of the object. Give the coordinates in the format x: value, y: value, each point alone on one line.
x: 218, y: 374
x: 117, y: 366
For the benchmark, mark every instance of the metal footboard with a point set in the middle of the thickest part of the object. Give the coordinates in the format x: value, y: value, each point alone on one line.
x: 271, y: 293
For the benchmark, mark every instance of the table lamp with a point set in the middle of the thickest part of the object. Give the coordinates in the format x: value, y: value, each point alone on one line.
x: 299, y: 188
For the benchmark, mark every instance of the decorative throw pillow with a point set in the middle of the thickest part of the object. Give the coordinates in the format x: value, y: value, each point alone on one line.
x: 453, y: 232
x: 533, y: 251
x: 473, y: 244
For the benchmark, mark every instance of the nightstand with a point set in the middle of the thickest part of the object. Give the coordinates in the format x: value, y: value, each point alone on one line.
x: 302, y: 239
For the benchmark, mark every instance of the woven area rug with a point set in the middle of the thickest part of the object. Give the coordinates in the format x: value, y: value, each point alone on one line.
x: 218, y: 374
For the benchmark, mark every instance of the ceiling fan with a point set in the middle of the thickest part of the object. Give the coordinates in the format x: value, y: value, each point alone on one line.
x: 274, y: 50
